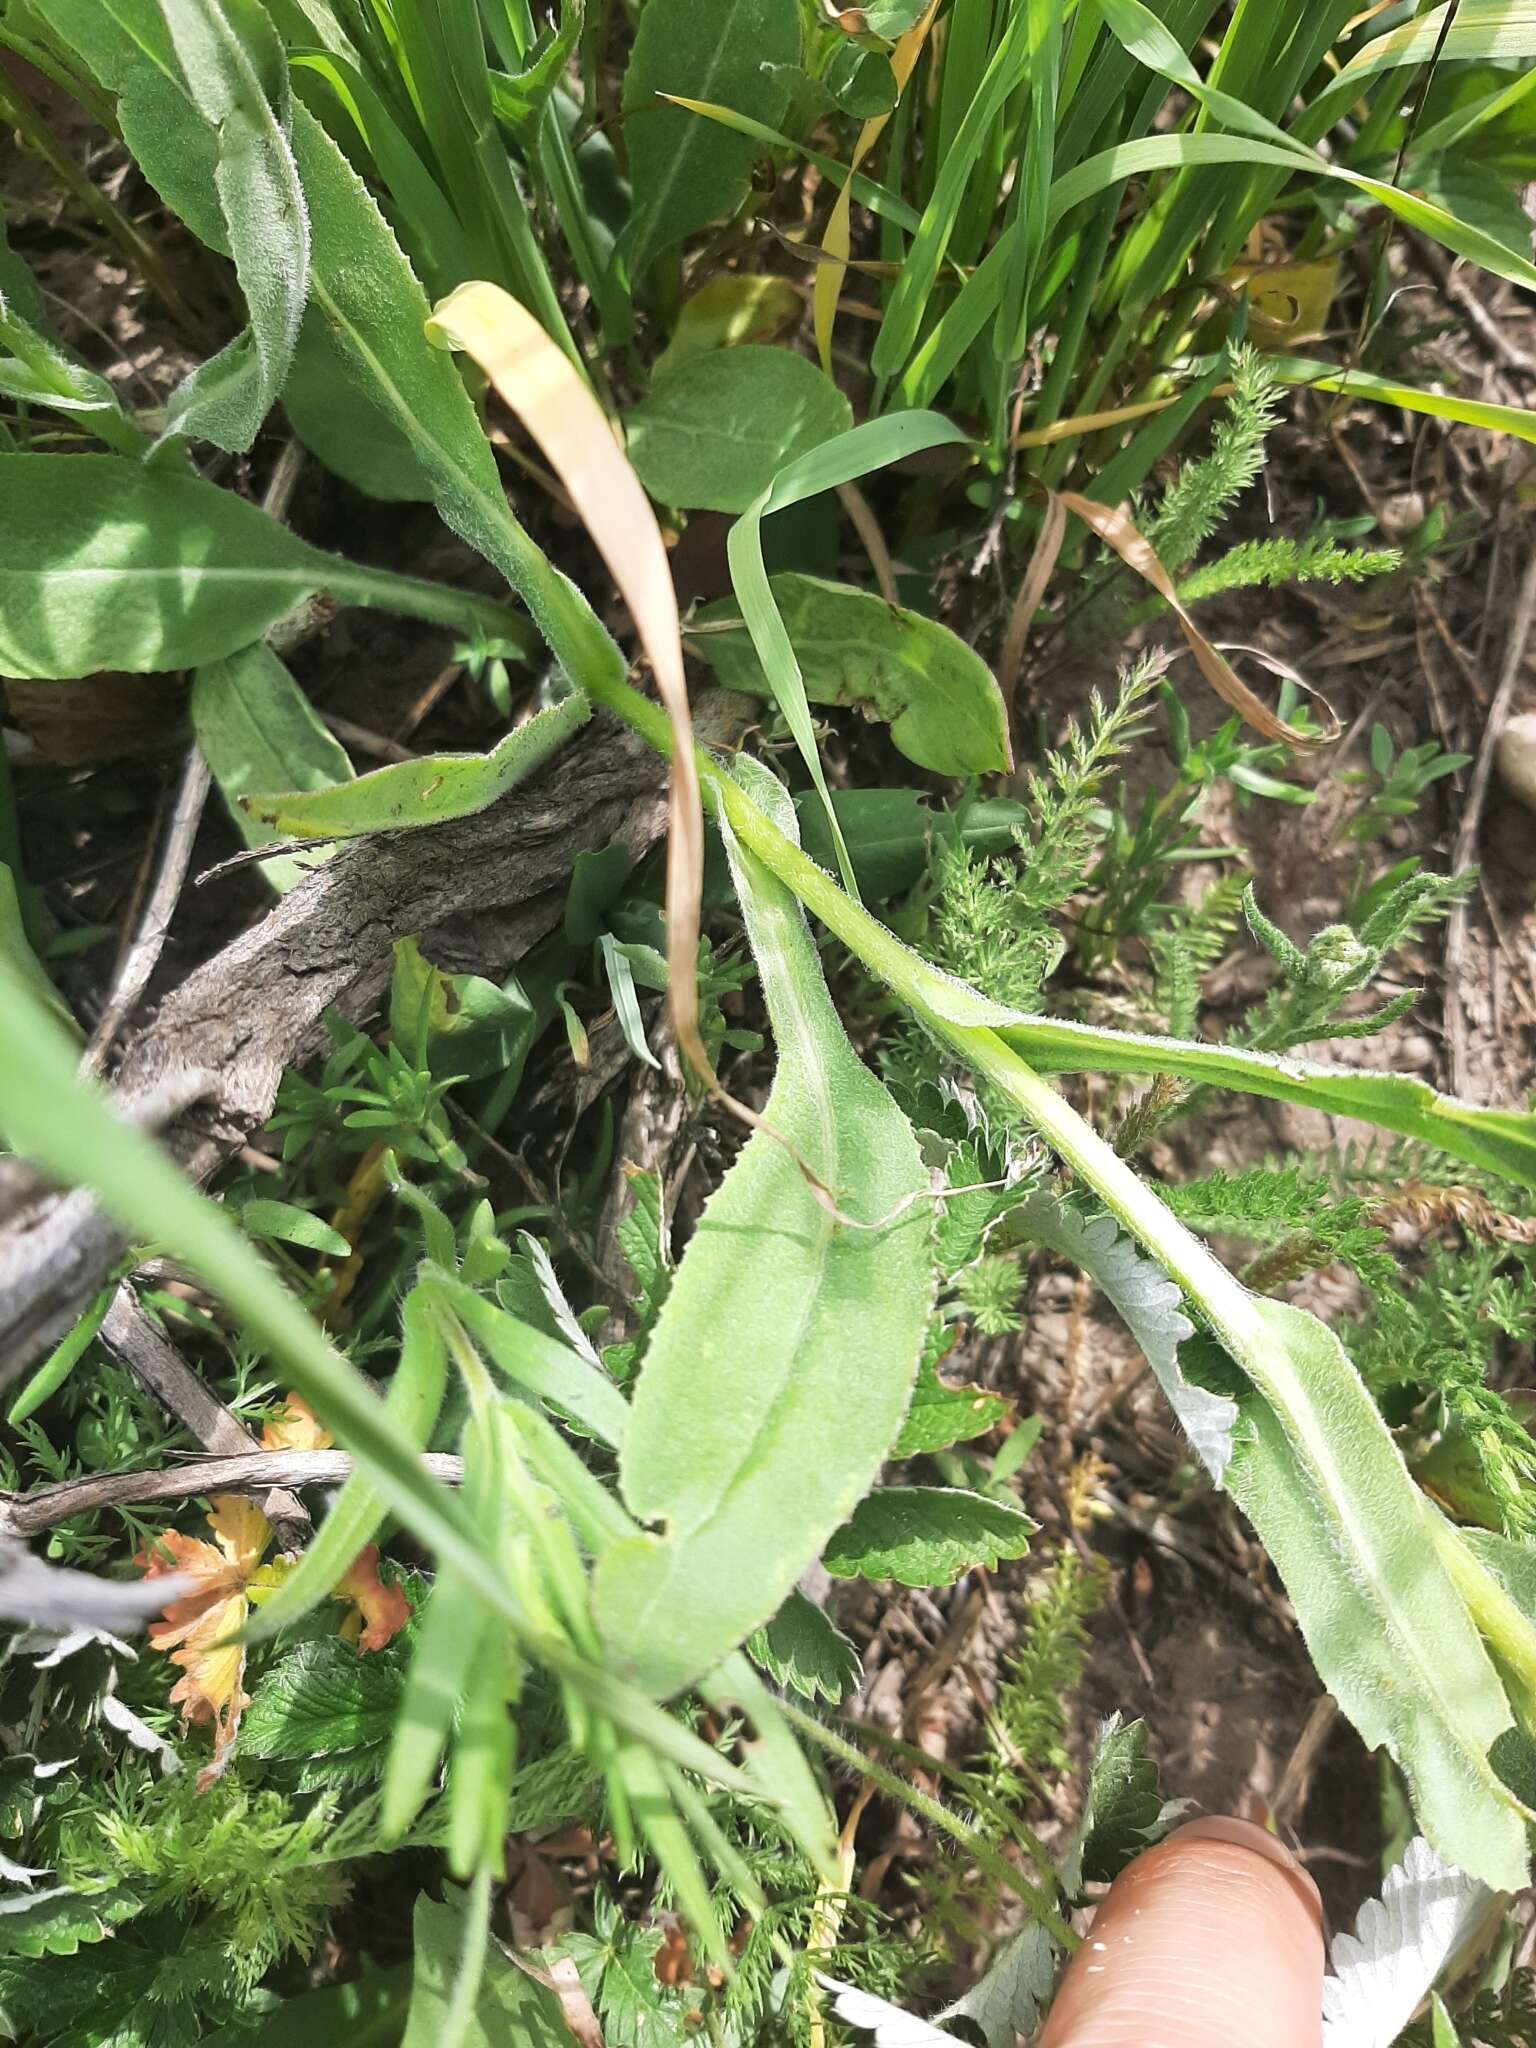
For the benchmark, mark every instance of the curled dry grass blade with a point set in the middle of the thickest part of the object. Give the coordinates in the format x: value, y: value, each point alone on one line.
x: 535, y: 378
x: 1117, y: 529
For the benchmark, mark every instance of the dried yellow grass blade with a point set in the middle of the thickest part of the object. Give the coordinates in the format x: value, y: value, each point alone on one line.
x: 1091, y: 422
x: 837, y: 242
x: 1116, y: 528
x: 535, y: 378
x: 1042, y: 561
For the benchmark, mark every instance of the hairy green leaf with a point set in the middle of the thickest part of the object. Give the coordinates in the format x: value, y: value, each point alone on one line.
x: 1008, y: 2002
x: 712, y: 434
x: 257, y: 730
x: 685, y: 171
x: 376, y: 311
x: 324, y: 1698
x: 237, y: 75
x: 926, y: 1535
x: 403, y: 796
x: 106, y: 564
x: 783, y: 1359
x: 937, y: 695
x: 1333, y: 1504
x: 1122, y: 1807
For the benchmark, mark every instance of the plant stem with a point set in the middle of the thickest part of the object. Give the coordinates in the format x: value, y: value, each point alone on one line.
x: 937, y: 1815
x: 417, y: 597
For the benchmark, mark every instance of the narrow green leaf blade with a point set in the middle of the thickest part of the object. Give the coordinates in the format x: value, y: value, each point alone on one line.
x: 838, y: 461
x: 411, y: 1408
x: 403, y: 796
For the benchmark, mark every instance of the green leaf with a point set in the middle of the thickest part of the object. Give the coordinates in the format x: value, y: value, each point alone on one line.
x: 1167, y: 152
x: 712, y: 434
x: 686, y: 172
x: 782, y: 1361
x: 1122, y: 1808
x: 538, y: 1364
x: 257, y: 730
x: 17, y: 948
x: 1008, y: 2002
x: 642, y: 1238
x: 1502, y: 1141
x: 37, y: 369
x: 511, y: 2011
x: 454, y: 1025
x: 1333, y: 1504
x: 238, y: 81
x: 937, y: 695
x: 617, y: 1968
x: 377, y: 313
x: 369, y: 2013
x: 839, y: 461
x: 889, y: 833
x: 1147, y: 1302
x: 725, y: 312
x: 940, y: 1414
x: 127, y: 47
x: 60, y: 1922
x: 289, y: 1224
x: 860, y: 82
x: 404, y: 796
x: 342, y: 427
x: 803, y: 1650
x: 322, y: 1698
x: 106, y: 564
x: 926, y: 1535
x: 1468, y: 410
x: 47, y: 1113
x: 889, y: 19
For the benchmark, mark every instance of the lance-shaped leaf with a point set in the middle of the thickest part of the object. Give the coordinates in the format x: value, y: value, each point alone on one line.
x: 238, y: 82
x: 403, y: 795
x: 106, y: 564
x: 685, y: 171
x: 783, y: 1359
x: 841, y: 460
x: 1325, y: 1486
